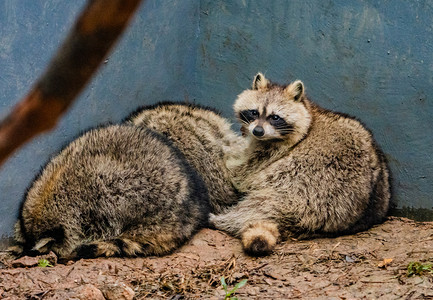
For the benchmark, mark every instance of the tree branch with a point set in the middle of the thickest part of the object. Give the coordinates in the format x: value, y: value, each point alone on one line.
x: 92, y: 36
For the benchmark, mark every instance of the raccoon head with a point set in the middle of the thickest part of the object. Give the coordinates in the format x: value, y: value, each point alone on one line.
x: 272, y: 112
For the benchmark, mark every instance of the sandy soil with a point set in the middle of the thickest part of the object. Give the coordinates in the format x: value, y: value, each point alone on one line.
x: 368, y: 265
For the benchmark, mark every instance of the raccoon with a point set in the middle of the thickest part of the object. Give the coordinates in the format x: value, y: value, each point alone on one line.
x: 203, y: 137
x: 115, y: 191
x: 306, y: 171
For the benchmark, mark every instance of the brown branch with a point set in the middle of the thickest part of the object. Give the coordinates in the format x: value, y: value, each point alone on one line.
x: 92, y: 36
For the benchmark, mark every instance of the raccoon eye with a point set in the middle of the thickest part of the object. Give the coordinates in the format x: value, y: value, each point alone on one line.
x: 275, y: 117
x: 248, y: 116
x: 254, y: 112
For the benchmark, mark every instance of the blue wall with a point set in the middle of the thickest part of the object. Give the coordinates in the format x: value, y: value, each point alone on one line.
x: 154, y: 61
x: 371, y: 59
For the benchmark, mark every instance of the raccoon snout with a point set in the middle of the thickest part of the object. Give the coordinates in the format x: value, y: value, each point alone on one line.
x: 258, y: 131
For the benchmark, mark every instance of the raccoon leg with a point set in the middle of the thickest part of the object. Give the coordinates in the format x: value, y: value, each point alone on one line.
x: 259, y: 238
x: 252, y: 219
x: 137, y: 241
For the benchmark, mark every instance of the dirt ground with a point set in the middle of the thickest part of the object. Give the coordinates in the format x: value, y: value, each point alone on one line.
x: 368, y: 265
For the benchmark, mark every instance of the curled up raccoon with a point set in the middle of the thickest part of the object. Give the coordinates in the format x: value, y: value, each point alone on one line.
x: 203, y: 137
x: 306, y: 171
x: 116, y: 191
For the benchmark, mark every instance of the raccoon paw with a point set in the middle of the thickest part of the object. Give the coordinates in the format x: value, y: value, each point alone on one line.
x: 260, y: 238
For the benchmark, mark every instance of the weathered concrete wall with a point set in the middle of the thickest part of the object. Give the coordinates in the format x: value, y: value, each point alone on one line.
x: 371, y: 59
x: 154, y: 61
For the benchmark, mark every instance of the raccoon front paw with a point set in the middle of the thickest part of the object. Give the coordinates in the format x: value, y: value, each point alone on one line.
x: 259, y: 239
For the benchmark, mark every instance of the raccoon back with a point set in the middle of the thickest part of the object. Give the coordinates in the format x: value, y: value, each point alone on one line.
x: 203, y: 136
x: 107, y: 183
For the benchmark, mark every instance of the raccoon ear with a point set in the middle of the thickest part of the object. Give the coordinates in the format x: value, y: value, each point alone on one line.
x: 260, y: 82
x: 295, y: 90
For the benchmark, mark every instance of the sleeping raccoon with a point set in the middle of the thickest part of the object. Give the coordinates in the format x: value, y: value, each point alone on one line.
x: 307, y: 171
x: 203, y: 137
x: 115, y: 191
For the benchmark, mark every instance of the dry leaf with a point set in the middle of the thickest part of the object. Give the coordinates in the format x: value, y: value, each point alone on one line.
x: 384, y: 263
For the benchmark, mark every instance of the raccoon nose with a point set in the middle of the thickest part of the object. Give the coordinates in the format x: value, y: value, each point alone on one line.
x: 258, y: 131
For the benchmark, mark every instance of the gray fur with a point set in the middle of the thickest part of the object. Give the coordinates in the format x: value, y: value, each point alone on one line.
x: 203, y: 136
x: 317, y: 173
x: 115, y: 191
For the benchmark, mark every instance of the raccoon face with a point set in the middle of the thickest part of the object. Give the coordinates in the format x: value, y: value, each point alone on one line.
x: 264, y: 126
x: 272, y: 112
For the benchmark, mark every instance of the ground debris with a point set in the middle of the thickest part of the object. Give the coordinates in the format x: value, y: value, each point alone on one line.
x: 348, y: 267
x: 32, y: 261
x: 385, y: 263
x: 117, y: 291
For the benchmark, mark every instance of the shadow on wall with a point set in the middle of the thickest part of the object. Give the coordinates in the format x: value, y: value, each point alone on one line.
x: 417, y: 214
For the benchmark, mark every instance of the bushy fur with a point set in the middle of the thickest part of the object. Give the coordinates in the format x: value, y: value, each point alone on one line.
x: 306, y: 171
x: 115, y: 191
x: 203, y: 136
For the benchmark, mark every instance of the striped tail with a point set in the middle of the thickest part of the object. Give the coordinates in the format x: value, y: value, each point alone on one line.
x: 127, y: 247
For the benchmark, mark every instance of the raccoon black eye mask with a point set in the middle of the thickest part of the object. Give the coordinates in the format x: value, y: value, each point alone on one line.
x: 248, y: 116
x: 292, y: 185
x: 254, y: 121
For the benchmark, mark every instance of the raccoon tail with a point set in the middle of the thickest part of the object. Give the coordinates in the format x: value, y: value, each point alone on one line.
x: 260, y: 238
x: 130, y: 246
x: 113, y: 247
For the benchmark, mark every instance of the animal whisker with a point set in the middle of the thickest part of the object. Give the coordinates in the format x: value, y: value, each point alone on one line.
x: 244, y: 119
